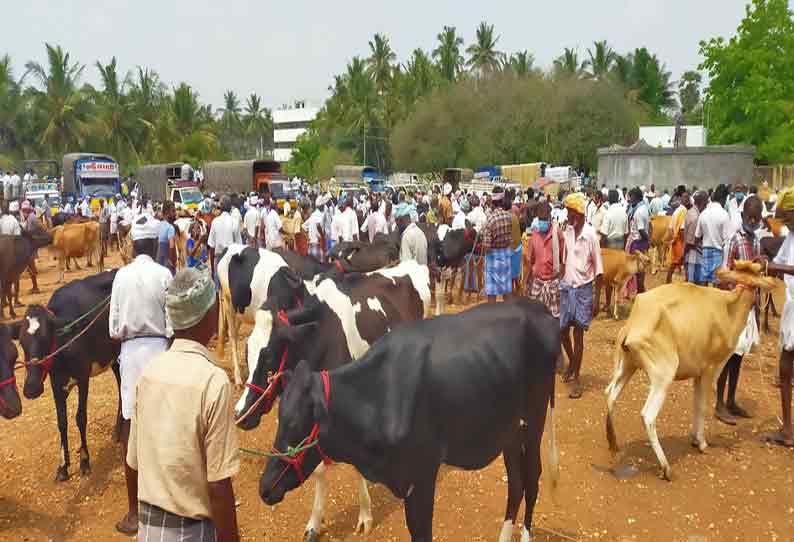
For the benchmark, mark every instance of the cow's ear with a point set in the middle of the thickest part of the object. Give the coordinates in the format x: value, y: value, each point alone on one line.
x: 296, y: 334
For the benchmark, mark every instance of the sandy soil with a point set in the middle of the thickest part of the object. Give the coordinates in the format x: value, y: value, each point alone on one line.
x: 740, y: 489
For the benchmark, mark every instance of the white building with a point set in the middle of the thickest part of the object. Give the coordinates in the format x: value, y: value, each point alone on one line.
x: 288, y: 124
x: 664, y: 136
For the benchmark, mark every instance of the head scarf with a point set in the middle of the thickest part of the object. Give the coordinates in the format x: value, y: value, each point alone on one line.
x: 785, y: 199
x: 447, y: 189
x: 402, y: 209
x: 576, y: 201
x: 190, y: 295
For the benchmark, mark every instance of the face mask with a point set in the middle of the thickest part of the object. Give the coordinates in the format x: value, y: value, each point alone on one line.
x: 751, y: 228
x: 543, y: 226
x: 739, y: 196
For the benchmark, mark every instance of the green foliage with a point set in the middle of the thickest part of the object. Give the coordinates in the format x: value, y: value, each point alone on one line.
x: 690, y: 97
x: 484, y: 58
x: 750, y: 97
x: 304, y: 156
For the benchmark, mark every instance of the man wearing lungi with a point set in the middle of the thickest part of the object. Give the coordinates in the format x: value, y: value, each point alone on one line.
x: 583, y: 267
x: 639, y: 229
x: 714, y: 229
x: 496, y: 241
x: 544, y: 260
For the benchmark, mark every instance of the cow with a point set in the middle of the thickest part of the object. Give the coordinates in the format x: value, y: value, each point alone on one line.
x: 446, y: 249
x: 363, y: 257
x: 660, y: 238
x: 10, y: 404
x: 619, y: 267
x: 74, y: 325
x: 73, y: 240
x: 307, y: 267
x: 417, y: 400
x: 17, y: 250
x: 679, y: 332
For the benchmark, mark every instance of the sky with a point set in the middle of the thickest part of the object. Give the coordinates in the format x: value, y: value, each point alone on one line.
x: 290, y: 50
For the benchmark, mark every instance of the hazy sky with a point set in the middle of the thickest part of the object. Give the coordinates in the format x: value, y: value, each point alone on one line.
x: 292, y: 48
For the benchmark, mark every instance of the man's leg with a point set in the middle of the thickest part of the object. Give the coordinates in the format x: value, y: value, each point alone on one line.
x: 641, y: 282
x: 733, y: 383
x: 129, y: 523
x: 578, y: 353
x: 568, y: 347
x: 33, y: 276
x: 720, y: 410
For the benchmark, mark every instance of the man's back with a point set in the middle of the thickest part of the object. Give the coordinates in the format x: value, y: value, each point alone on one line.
x: 137, y: 304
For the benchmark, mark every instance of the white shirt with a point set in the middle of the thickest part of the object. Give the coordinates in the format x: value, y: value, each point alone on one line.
x: 9, y: 225
x: 85, y: 208
x: 459, y: 221
x: 478, y: 219
x: 336, y: 226
x: 375, y: 224
x: 273, y: 227
x: 224, y: 231
x: 714, y: 226
x: 785, y: 256
x: 250, y: 220
x: 616, y: 223
x: 310, y: 226
x: 137, y: 301
x: 640, y: 220
x: 348, y: 225
x: 236, y: 215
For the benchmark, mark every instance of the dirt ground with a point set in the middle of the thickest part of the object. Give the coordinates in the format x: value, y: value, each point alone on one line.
x: 740, y: 489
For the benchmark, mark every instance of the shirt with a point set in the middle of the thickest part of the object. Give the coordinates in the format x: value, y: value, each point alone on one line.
x: 477, y: 218
x: 413, y: 245
x: 785, y: 256
x: 137, y: 300
x: 310, y: 226
x: 375, y: 224
x: 224, y: 232
x: 616, y: 223
x: 598, y: 217
x: 742, y: 246
x: 104, y: 215
x: 459, y: 222
x: 640, y: 221
x: 85, y: 209
x: 582, y: 257
x: 273, y: 225
x: 9, y: 225
x: 444, y: 211
x: 656, y: 206
x: 498, y: 230
x: 250, y: 221
x: 348, y: 225
x: 540, y: 253
x: 182, y: 434
x: 191, y: 261
x: 714, y: 226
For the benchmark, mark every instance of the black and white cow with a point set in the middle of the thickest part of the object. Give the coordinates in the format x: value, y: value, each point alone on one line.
x: 417, y: 400
x: 337, y: 322
x: 446, y: 249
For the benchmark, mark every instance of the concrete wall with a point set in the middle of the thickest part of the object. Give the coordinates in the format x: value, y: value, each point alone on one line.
x: 703, y: 167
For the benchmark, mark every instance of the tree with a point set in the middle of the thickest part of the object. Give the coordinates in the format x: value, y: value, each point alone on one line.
x: 521, y: 64
x: 447, y: 54
x: 568, y: 65
x: 690, y: 98
x: 10, y: 106
x: 115, y: 115
x: 380, y: 61
x: 484, y: 58
x: 258, y: 123
x: 304, y: 155
x: 600, y: 61
x: 750, y: 97
x: 651, y: 80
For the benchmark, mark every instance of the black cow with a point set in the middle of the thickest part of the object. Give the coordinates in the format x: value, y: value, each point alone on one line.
x: 417, y: 400
x: 361, y: 257
x: 69, y: 311
x: 445, y: 255
x: 308, y: 267
x: 17, y: 250
x: 10, y: 404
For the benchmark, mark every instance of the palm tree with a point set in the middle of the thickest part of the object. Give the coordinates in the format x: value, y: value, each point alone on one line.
x: 230, y: 112
x: 258, y: 122
x: 622, y: 69
x: 521, y: 64
x: 10, y: 105
x: 447, y: 54
x: 115, y: 115
x: 483, y: 56
x: 65, y: 106
x: 651, y: 79
x: 380, y: 60
x: 600, y: 60
x: 568, y: 64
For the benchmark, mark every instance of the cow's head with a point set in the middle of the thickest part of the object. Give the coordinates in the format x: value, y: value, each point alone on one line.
x: 455, y: 246
x: 37, y: 336
x: 10, y: 404
x: 302, y: 406
x: 270, y: 352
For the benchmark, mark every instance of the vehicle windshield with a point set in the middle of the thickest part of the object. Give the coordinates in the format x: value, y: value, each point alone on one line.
x: 98, y: 188
x: 276, y: 190
x: 191, y: 195
x: 38, y: 201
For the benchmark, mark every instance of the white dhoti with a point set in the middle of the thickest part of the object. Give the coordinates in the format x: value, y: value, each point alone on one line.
x: 749, y: 336
x: 787, y: 326
x: 134, y: 356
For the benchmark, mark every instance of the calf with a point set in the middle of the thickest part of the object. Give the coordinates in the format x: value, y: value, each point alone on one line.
x: 73, y: 240
x: 680, y: 332
x: 10, y: 404
x: 17, y: 250
x: 417, y: 400
x: 619, y: 267
x: 335, y: 324
x: 660, y: 239
x: 80, y: 305
x: 446, y: 249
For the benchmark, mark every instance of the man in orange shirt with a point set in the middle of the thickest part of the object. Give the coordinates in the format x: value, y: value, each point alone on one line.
x: 543, y: 259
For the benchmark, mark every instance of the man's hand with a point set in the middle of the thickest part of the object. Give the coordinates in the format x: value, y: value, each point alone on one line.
x: 224, y: 514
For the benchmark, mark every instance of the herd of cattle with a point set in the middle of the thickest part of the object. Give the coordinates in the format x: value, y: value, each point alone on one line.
x: 414, y: 399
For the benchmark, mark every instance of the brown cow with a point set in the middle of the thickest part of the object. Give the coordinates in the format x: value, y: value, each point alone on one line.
x: 73, y: 240
x: 660, y: 240
x: 619, y: 267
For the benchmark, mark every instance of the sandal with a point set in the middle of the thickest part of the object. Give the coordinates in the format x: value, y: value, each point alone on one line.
x: 780, y: 439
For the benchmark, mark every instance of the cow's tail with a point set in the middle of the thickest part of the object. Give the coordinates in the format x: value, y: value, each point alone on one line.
x: 554, y: 459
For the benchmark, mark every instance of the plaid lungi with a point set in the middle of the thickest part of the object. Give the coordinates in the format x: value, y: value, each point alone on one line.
x: 712, y: 260
x: 576, y: 305
x: 316, y: 251
x: 498, y: 277
x: 515, y: 261
x: 548, y: 293
x: 158, y: 525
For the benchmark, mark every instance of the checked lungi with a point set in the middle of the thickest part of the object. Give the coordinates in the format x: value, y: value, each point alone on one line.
x: 576, y: 305
x: 548, y: 293
x: 712, y: 260
x: 158, y: 525
x: 498, y: 272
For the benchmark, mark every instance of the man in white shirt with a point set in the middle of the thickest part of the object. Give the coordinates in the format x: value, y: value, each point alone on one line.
x: 273, y: 227
x: 16, y: 186
x: 313, y: 226
x: 715, y: 229
x: 348, y: 223
x: 375, y: 224
x: 615, y: 225
x: 224, y: 231
x: 85, y: 208
x: 9, y: 225
x: 251, y: 220
x: 459, y: 218
x: 138, y: 319
x: 477, y: 216
x: 5, y: 186
x: 639, y: 230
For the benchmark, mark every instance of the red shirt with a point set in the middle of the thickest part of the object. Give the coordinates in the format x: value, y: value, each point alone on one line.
x: 540, y: 254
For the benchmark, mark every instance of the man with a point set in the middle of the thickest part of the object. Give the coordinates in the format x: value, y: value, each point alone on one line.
x: 693, y: 251
x: 598, y: 211
x: 348, y: 222
x: 476, y: 216
x: 459, y: 222
x: 375, y: 224
x: 251, y: 220
x: 85, y: 208
x: 31, y: 225
x: 16, y: 186
x: 639, y: 229
x: 744, y: 245
x: 615, y: 225
x: 328, y: 223
x: 313, y: 227
x: 104, y: 226
x: 166, y: 238
x: 656, y: 205
x: 183, y: 441
x: 714, y: 229
x: 47, y: 211
x: 138, y: 319
x: 583, y: 270
x: 413, y: 243
x: 9, y: 225
x: 543, y: 260
x: 69, y: 207
x: 676, y: 229
x: 271, y: 226
x: 497, y: 238
x: 224, y: 232
x: 445, y: 206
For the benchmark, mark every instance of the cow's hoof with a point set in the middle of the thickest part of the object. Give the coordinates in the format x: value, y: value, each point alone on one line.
x: 62, y: 474
x: 311, y: 536
x: 85, y: 467
x: 364, y: 525
x: 666, y: 473
x: 701, y: 445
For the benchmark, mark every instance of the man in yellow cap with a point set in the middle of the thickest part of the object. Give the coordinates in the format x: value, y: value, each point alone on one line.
x: 583, y: 268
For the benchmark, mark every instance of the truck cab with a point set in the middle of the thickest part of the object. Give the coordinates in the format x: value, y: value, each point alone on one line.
x: 185, y: 195
x: 36, y: 192
x: 91, y: 175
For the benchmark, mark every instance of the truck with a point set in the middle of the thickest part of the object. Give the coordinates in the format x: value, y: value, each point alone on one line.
x: 91, y: 175
x: 170, y: 182
x: 366, y: 176
x: 241, y: 176
x: 37, y: 190
x: 457, y: 176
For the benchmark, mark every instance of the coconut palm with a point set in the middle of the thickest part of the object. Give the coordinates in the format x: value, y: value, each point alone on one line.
x: 484, y: 58
x: 115, y: 116
x: 230, y: 112
x: 568, y: 64
x: 600, y: 61
x: 447, y: 54
x: 521, y: 63
x: 622, y: 69
x: 65, y: 106
x: 380, y: 61
x: 258, y: 122
x: 10, y: 105
x: 652, y: 81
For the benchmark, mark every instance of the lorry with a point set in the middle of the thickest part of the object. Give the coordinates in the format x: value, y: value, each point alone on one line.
x: 170, y: 182
x: 91, y: 175
x: 241, y: 176
x: 37, y: 190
